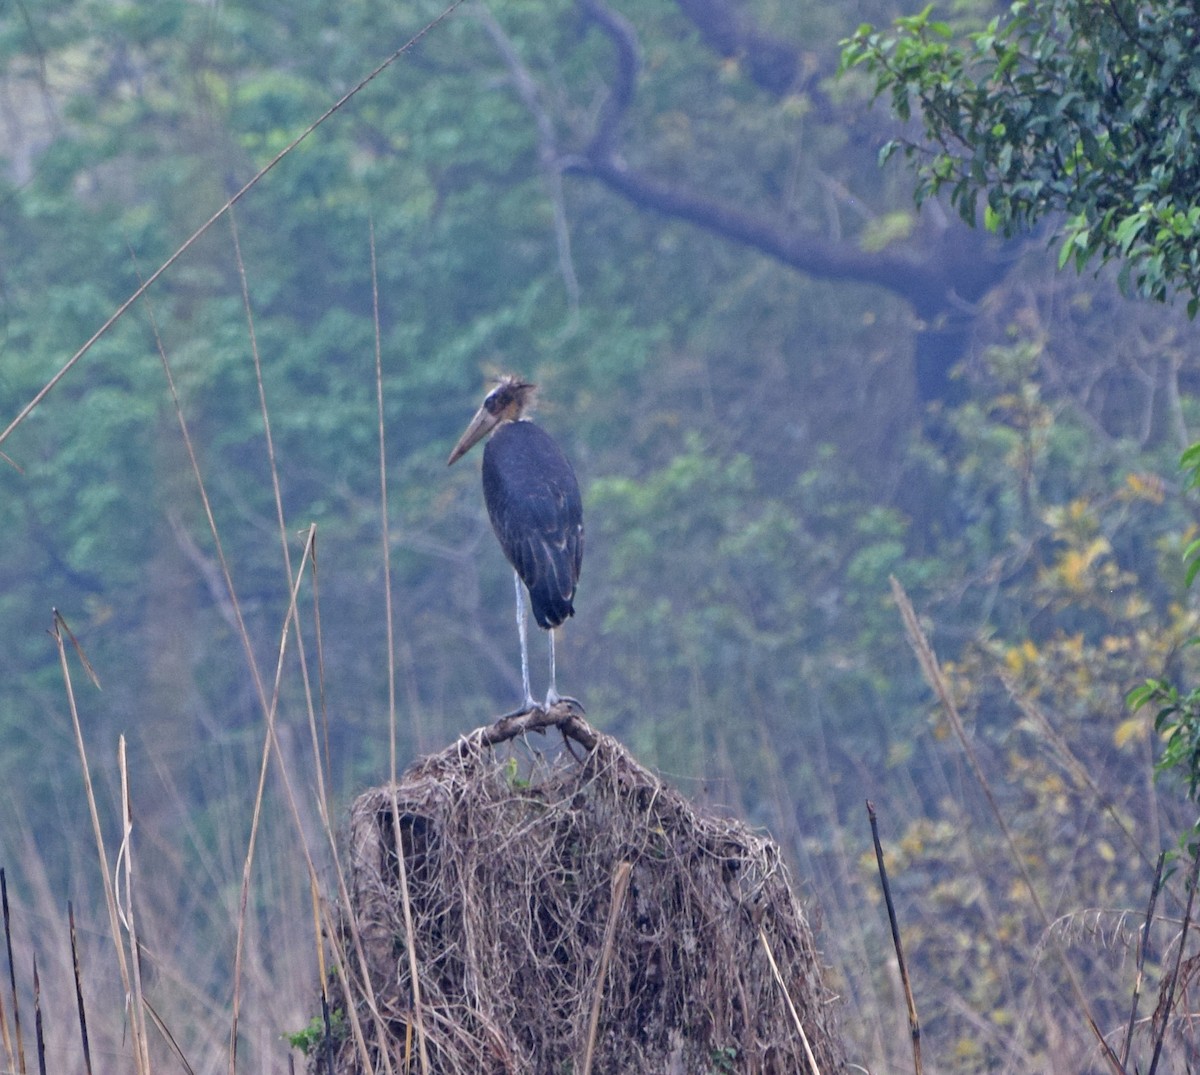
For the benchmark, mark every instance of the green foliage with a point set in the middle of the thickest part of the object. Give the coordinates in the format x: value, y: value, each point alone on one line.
x: 1063, y: 107
x: 1076, y: 108
x: 314, y: 1037
x: 1177, y: 722
x: 1177, y: 716
x: 1190, y: 463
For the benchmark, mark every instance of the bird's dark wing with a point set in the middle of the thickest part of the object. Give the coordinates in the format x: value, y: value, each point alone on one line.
x: 533, y: 500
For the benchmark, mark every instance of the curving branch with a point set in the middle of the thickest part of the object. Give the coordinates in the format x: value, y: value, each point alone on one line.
x: 959, y: 274
x: 927, y: 287
x: 531, y: 97
x: 941, y: 285
x: 624, y: 40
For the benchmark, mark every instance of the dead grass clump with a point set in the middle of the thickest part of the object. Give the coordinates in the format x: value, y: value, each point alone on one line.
x: 510, y: 870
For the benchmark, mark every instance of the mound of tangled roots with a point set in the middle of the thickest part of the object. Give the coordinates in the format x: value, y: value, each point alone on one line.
x: 570, y: 915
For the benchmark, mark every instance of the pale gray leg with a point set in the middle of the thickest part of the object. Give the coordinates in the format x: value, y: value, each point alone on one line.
x: 528, y: 702
x: 553, y: 698
x: 552, y: 693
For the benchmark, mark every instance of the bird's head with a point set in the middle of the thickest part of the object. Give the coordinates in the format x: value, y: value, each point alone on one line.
x: 507, y: 402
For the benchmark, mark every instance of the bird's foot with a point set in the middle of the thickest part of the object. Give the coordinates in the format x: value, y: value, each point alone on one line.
x: 574, y: 707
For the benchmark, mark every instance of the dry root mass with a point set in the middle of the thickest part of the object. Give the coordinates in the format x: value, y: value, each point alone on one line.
x: 510, y: 859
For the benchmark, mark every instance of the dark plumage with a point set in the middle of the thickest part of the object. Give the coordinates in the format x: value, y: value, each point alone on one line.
x: 533, y: 501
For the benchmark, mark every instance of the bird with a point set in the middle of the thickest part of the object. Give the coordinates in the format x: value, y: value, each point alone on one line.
x: 533, y: 501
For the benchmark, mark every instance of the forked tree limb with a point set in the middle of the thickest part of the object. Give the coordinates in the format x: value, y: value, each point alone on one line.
x: 566, y: 715
x: 959, y: 271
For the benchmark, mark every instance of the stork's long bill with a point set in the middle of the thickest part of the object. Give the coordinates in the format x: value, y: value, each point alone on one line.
x: 507, y: 402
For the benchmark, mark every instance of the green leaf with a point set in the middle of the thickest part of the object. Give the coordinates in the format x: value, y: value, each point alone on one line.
x: 1139, y: 696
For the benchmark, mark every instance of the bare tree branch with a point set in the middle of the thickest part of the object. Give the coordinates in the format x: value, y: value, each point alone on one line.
x: 923, y: 285
x: 623, y: 37
x: 961, y: 271
x: 531, y: 97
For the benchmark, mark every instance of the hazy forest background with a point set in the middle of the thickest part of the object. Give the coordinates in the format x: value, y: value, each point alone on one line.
x: 780, y: 384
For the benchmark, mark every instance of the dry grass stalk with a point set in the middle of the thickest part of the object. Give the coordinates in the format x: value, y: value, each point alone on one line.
x: 38, y: 1030
x: 1143, y: 945
x: 620, y: 887
x: 410, y: 946
x: 812, y: 1060
x: 510, y: 860
x: 125, y: 909
x: 914, y: 1024
x: 110, y: 896
x: 12, y: 982
x: 83, y: 1031
x: 418, y: 1022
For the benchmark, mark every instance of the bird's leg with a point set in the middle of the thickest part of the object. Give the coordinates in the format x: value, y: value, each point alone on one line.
x: 528, y: 702
x: 552, y: 693
x: 553, y: 698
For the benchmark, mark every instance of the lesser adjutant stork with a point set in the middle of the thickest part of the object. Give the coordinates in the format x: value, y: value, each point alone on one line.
x: 533, y: 500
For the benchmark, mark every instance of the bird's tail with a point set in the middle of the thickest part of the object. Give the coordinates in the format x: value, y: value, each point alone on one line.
x: 550, y: 607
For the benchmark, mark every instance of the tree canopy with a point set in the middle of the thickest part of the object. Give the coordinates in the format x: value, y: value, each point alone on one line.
x: 1067, y: 107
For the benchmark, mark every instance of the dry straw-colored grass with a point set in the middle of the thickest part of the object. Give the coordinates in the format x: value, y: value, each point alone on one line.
x: 520, y: 903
